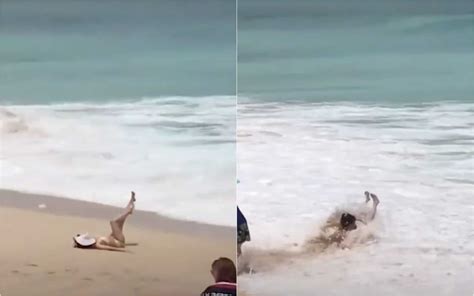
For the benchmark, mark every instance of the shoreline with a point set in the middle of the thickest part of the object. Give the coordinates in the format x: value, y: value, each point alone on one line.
x: 166, y: 256
x: 63, y: 206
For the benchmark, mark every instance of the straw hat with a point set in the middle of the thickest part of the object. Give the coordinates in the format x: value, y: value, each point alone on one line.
x: 84, y: 240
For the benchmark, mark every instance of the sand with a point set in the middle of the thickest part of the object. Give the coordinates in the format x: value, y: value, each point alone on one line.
x: 37, y: 258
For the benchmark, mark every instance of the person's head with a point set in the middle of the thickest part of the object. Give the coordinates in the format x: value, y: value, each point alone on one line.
x: 348, y: 221
x: 223, y: 270
x: 75, y: 244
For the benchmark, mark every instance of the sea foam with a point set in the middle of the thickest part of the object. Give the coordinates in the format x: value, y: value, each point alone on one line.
x: 177, y: 153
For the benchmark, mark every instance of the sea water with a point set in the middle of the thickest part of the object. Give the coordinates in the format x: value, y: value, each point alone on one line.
x: 339, y: 98
x: 98, y: 98
x: 298, y: 163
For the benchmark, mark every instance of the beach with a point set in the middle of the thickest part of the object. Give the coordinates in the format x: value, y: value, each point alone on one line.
x: 100, y: 151
x: 101, y: 98
x: 172, y: 257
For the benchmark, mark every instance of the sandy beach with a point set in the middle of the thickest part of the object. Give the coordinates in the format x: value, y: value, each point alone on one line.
x: 37, y: 258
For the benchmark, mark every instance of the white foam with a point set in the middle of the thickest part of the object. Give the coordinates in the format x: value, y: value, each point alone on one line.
x: 418, y: 159
x: 176, y: 153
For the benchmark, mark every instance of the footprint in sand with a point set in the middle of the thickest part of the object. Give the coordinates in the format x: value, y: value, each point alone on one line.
x: 19, y: 272
x: 70, y: 270
x: 104, y: 273
x: 32, y: 265
x: 149, y: 279
x: 88, y: 279
x: 51, y: 272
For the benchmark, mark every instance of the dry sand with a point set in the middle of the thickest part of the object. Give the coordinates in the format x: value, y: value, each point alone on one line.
x: 37, y: 258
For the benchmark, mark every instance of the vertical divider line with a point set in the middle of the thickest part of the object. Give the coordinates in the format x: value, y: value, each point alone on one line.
x: 236, y: 122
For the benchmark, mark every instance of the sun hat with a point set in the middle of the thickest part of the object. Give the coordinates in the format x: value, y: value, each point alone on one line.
x: 84, y: 240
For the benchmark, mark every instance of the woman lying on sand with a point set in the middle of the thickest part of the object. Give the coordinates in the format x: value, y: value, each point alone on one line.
x: 345, y: 222
x: 115, y: 241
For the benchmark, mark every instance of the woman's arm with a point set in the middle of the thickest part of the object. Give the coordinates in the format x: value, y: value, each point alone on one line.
x: 109, y: 248
x: 330, y: 224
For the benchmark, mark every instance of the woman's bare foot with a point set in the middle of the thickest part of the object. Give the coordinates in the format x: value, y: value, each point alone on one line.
x: 367, y: 196
x: 131, y: 203
x: 375, y: 199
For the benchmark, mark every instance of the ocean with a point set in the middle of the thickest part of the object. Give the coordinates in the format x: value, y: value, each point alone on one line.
x: 337, y: 98
x: 383, y: 51
x: 98, y: 98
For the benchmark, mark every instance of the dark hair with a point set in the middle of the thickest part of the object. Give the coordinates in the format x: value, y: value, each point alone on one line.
x: 224, y: 269
x: 347, y: 220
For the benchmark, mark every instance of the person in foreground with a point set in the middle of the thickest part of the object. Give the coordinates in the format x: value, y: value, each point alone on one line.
x: 347, y: 222
x: 225, y: 276
x: 243, y: 233
x: 115, y: 241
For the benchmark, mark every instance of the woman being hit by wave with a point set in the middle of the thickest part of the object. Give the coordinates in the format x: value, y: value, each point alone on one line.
x: 339, y: 224
x: 348, y: 221
x: 225, y: 276
x: 334, y: 232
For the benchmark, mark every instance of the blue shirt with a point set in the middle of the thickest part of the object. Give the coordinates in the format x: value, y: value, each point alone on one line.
x: 240, y: 218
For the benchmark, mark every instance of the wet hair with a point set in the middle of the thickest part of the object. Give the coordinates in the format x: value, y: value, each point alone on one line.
x: 75, y: 245
x: 224, y: 270
x: 348, y: 221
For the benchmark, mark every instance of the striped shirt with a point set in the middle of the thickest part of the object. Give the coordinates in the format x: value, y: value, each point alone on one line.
x: 221, y: 289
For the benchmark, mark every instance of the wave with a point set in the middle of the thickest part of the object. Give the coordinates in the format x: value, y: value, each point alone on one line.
x: 255, y: 260
x: 175, y: 152
x: 11, y: 123
x: 417, y: 157
x: 431, y: 24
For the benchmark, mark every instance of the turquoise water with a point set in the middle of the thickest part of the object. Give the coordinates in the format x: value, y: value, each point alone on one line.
x: 98, y: 98
x: 64, y: 50
x: 384, y: 51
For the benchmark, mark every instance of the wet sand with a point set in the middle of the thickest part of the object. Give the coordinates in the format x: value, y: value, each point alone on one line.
x: 37, y: 258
